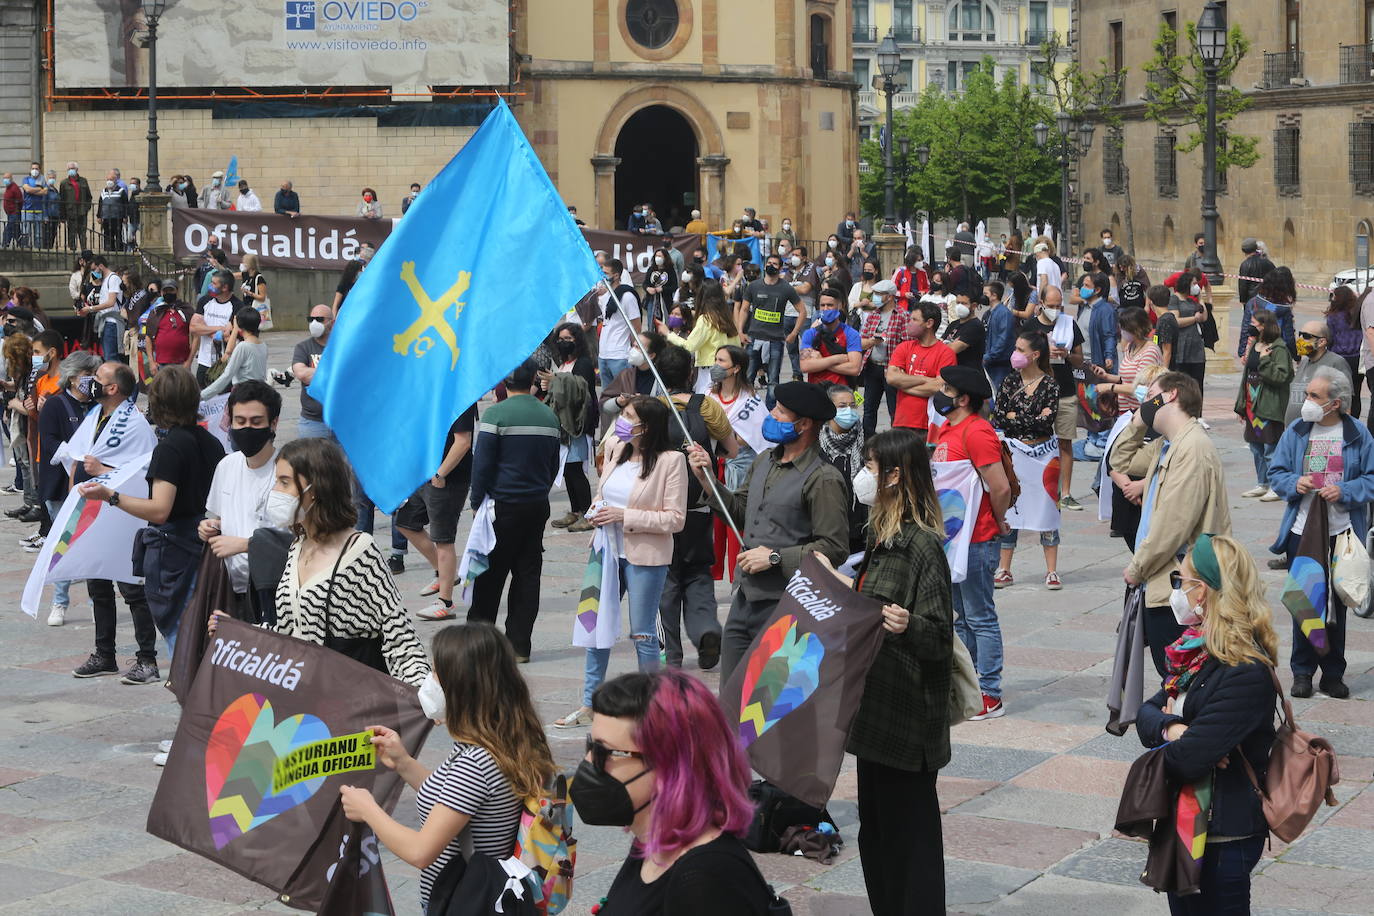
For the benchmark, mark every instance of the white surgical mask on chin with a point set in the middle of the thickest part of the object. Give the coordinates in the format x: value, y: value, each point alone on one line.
x: 1186, y: 613
x: 431, y: 697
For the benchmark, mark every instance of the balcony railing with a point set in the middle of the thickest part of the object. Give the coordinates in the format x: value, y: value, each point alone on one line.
x: 875, y: 100
x: 1282, y: 69
x: 865, y: 35
x: 1160, y: 77
x: 1037, y: 37
x: 868, y: 98
x: 907, y: 36
x: 1357, y: 64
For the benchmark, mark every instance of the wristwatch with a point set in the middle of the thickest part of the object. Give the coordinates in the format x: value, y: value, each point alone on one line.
x: 774, y: 558
x: 114, y: 499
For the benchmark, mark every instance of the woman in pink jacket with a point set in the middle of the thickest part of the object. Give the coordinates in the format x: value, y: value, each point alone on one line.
x: 640, y: 504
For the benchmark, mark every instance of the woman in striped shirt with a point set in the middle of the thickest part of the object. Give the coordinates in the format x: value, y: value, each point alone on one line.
x: 471, y: 804
x: 1136, y: 353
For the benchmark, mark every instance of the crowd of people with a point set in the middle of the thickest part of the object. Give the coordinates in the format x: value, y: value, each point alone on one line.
x: 661, y: 409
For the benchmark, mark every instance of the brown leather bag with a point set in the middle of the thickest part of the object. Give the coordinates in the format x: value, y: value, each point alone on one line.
x: 1302, y: 770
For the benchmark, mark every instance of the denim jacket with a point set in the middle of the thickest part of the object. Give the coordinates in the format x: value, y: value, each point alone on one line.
x: 1001, y: 336
x: 1357, y: 488
x: 1102, y: 332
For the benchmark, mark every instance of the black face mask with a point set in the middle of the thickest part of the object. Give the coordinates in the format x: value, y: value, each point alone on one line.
x: 250, y: 439
x: 566, y: 348
x: 868, y: 275
x: 1251, y: 331
x: 772, y: 270
x: 602, y: 800
x: 944, y: 404
x: 10, y: 328
x: 1148, y: 409
x: 696, y: 260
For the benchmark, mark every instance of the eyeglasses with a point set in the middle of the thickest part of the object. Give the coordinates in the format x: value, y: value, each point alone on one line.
x: 1306, y: 336
x: 600, y: 753
x: 1176, y: 579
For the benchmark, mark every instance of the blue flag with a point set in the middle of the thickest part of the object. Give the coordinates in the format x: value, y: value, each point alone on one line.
x: 713, y: 244
x: 231, y: 174
x: 442, y: 313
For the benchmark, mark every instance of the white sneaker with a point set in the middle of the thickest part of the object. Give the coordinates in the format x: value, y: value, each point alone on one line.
x: 164, y: 746
x: 1270, y: 497
x: 58, y: 615
x: 33, y: 540
x: 1255, y: 491
x: 160, y: 759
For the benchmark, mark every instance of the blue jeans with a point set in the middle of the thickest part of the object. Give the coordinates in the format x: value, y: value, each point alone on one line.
x: 1262, y: 454
x: 1047, y: 538
x: 610, y: 368
x: 1225, y: 884
x: 789, y: 322
x: 774, y: 360
x: 313, y: 429
x: 109, y: 342
x: 60, y: 590
x: 975, y: 616
x: 366, y: 519
x: 643, y: 586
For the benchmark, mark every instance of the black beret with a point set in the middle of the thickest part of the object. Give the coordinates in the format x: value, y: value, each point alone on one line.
x: 967, y: 380
x: 806, y: 400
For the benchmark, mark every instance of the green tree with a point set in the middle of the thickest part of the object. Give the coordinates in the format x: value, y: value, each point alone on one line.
x: 1176, y: 95
x: 1027, y: 174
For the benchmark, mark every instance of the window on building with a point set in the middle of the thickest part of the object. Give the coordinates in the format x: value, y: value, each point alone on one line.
x: 1113, y: 164
x: 862, y: 75
x: 866, y: 132
x: 858, y: 15
x: 1038, y: 23
x: 1115, y: 43
x: 820, y: 46
x: 903, y: 22
x: 1170, y: 18
x: 1362, y: 156
x: 1290, y: 19
x: 1369, y: 21
x: 971, y: 20
x: 1287, y: 166
x: 1166, y: 166
x: 957, y: 73
x: 652, y: 23
x: 1039, y: 81
x: 906, y: 75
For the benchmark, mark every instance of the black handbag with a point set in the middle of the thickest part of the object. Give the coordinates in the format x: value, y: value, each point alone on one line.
x: 365, y: 649
x: 774, y: 812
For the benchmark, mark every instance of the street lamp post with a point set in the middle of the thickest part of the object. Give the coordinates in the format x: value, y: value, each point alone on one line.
x: 889, y: 59
x: 1211, y: 39
x: 152, y: 12
x: 1067, y: 149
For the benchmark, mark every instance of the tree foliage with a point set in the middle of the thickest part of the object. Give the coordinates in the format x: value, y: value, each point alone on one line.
x: 1176, y: 95
x: 983, y: 159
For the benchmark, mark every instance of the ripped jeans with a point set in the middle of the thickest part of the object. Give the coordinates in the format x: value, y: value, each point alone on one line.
x: 643, y: 587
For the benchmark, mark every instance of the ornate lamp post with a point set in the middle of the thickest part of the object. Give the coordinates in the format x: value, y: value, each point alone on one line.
x: 889, y: 60
x: 152, y: 12
x: 1067, y: 148
x: 1211, y: 40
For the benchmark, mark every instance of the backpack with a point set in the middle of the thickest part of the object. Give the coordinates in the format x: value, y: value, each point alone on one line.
x: 545, y: 843
x: 696, y: 426
x: 774, y: 812
x: 960, y: 282
x: 613, y: 306
x: 1013, y: 482
x: 1302, y: 770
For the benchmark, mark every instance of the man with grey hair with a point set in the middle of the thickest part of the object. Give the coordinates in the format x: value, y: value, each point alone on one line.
x: 1325, y: 455
x: 1314, y: 351
x: 58, y: 420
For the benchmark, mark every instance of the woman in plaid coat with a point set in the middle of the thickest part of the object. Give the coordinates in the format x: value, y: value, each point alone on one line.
x: 901, y: 732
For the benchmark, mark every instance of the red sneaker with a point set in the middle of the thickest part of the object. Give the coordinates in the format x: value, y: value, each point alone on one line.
x: 992, y: 709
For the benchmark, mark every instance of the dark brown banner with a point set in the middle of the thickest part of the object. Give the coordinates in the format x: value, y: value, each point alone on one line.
x: 271, y: 729
x: 305, y: 242
x: 635, y: 251
x: 800, y: 683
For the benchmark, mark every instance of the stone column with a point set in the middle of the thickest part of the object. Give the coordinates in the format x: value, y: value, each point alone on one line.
x: 604, y: 203
x: 712, y: 182
x: 1223, y: 358
x: 891, y: 250
x: 155, y: 222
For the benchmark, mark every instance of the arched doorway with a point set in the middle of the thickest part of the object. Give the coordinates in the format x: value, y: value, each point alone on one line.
x: 657, y: 150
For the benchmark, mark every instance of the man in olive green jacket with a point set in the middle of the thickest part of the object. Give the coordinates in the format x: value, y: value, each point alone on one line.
x: 1184, y: 496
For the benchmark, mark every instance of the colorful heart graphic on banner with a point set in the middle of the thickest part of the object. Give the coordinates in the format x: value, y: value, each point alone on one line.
x: 244, y: 745
x: 1051, y: 478
x: 782, y: 673
x: 953, y: 509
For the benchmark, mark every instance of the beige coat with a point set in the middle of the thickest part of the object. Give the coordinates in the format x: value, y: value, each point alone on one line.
x: 657, y: 509
x: 1190, y: 500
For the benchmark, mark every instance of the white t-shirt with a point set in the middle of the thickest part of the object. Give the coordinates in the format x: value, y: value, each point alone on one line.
x: 618, y: 486
x: 238, y: 495
x: 1326, y: 465
x: 1045, y: 267
x: 111, y: 285
x: 216, y: 315
x: 615, y: 333
x: 746, y: 413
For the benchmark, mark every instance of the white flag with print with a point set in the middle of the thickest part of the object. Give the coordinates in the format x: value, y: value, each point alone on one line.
x: 960, y: 491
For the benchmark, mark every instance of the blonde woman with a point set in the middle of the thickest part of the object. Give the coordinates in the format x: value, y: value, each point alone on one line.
x: 1216, y: 707
x: 714, y: 328
x: 254, y: 289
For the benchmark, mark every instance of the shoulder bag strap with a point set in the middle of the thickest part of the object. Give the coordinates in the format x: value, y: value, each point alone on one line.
x: 329, y: 595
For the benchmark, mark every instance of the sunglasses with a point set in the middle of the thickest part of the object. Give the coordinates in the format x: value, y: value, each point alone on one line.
x: 1306, y: 336
x: 600, y: 754
x: 1176, y: 579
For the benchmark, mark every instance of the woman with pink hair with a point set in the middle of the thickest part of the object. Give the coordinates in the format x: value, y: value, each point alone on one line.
x: 686, y: 802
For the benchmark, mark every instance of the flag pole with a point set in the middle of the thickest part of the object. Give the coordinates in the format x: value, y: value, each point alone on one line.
x: 682, y: 424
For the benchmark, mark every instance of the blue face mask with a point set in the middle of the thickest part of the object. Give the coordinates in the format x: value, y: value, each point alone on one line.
x: 1087, y: 292
x: 846, y: 417
x: 830, y: 316
x: 40, y: 362
x: 1142, y: 393
x: 774, y: 430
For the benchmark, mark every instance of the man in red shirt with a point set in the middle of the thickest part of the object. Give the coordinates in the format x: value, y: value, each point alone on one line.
x: 914, y: 369
x: 169, y: 330
x: 966, y: 436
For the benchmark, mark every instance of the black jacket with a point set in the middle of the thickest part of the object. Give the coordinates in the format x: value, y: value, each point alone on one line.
x: 1227, y: 706
x: 1257, y: 265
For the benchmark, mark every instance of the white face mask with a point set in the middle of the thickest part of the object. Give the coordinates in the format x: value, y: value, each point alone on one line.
x: 1195, y: 290
x: 960, y: 312
x: 1186, y: 613
x: 1312, y: 412
x: 281, y: 509
x: 787, y: 227
x: 431, y: 697
x: 686, y: 277
x: 636, y: 359
x: 1051, y: 314
x: 316, y: 328
x: 865, y: 486
x: 833, y: 244
x: 796, y: 260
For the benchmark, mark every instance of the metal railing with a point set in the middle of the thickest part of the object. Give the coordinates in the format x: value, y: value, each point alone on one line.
x: 1357, y: 64
x: 907, y: 35
x: 1161, y: 77
x: 1037, y: 37
x: 864, y: 34
x: 1281, y: 68
x: 53, y: 243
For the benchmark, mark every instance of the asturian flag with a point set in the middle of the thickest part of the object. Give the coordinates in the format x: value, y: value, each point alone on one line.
x: 438, y: 318
x: 960, y: 491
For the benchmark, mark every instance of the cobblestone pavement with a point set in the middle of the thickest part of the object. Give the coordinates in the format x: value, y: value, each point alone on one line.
x: 1029, y: 798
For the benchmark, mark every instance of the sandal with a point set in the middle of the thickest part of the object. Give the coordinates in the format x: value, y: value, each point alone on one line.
x: 579, y: 717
